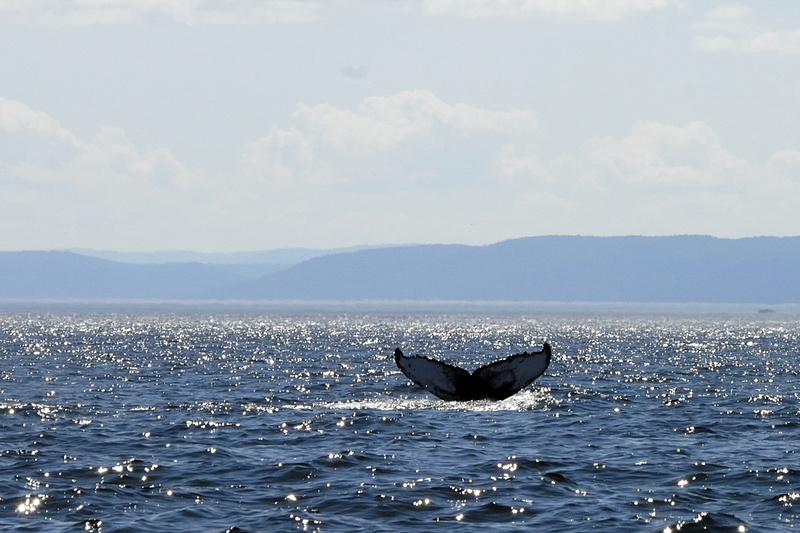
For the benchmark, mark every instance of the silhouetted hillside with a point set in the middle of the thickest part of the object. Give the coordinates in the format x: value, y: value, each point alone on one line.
x: 65, y: 276
x: 557, y: 268
x: 280, y: 257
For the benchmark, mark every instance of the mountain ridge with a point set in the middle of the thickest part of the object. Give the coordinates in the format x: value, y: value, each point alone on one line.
x: 683, y: 268
x: 688, y: 268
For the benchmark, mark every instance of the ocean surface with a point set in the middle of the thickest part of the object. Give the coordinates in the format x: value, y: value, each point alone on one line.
x: 296, y: 419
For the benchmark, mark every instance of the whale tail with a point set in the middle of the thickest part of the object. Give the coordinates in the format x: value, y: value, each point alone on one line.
x: 495, y: 381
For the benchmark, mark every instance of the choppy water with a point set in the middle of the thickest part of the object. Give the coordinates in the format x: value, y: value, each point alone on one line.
x: 289, y: 421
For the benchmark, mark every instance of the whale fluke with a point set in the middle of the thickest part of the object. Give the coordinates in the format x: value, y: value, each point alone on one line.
x: 495, y: 381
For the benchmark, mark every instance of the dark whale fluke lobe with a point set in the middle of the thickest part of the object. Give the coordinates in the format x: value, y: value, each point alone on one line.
x: 495, y: 381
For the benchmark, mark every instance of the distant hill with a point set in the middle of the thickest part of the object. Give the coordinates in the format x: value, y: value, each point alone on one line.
x: 69, y: 276
x: 279, y: 257
x: 556, y: 268
x: 687, y: 268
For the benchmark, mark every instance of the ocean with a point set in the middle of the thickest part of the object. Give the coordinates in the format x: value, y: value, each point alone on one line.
x: 295, y: 418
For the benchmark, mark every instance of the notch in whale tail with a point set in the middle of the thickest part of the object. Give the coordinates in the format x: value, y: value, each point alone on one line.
x: 495, y: 381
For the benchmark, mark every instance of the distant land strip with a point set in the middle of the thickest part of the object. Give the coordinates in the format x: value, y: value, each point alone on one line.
x: 670, y: 269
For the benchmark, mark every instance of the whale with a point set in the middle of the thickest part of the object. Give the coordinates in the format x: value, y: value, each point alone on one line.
x: 496, y: 381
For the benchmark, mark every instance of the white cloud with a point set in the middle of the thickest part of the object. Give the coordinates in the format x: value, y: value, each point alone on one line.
x: 80, y: 13
x: 669, y: 179
x: 408, y: 167
x: 661, y: 155
x: 734, y: 27
x: 784, y: 169
x: 410, y: 153
x: 57, y: 190
x: 394, y: 140
x: 386, y: 121
x: 372, y: 164
x: 16, y: 117
x: 609, y: 10
x: 654, y: 157
x: 52, y: 153
x: 101, y: 12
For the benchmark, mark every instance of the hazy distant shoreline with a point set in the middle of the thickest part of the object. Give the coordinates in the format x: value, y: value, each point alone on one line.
x: 758, y: 271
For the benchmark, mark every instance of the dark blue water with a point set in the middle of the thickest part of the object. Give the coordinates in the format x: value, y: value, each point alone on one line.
x: 299, y: 421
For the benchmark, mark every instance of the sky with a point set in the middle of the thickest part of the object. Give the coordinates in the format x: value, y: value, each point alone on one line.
x: 241, y: 125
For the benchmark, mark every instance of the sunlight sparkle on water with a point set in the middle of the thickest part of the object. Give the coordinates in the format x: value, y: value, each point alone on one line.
x: 333, y: 437
x: 31, y: 504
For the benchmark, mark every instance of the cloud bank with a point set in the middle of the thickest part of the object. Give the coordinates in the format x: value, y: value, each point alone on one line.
x: 735, y: 28
x: 58, y: 13
x: 606, y: 10
x: 399, y: 168
x: 72, y: 13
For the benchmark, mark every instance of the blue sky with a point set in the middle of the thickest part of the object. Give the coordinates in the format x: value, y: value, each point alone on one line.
x: 235, y: 125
